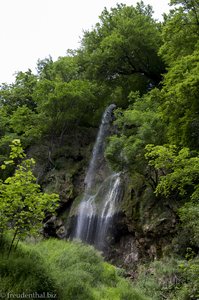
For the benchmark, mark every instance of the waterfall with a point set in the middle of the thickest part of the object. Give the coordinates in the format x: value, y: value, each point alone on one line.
x: 108, y: 210
x: 102, y: 192
x: 98, y: 150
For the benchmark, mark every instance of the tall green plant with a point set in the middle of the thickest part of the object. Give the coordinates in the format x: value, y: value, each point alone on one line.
x: 22, y: 204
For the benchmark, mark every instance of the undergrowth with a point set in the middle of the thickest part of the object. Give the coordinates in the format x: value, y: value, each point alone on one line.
x: 170, y: 278
x: 61, y: 270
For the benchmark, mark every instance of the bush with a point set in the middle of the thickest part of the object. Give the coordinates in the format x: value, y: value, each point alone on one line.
x: 159, y: 279
x: 169, y: 278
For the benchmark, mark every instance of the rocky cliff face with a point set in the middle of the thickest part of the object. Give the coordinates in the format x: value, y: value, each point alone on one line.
x: 60, y: 168
x: 143, y: 225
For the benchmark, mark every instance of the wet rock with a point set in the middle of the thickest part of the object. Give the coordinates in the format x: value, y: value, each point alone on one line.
x: 49, y: 228
x: 125, y: 253
x: 61, y: 232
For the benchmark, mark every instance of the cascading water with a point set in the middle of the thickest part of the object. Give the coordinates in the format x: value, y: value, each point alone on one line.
x: 97, y: 159
x: 108, y: 209
x: 102, y: 192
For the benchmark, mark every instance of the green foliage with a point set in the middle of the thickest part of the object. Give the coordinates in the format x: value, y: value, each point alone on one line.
x: 121, y: 50
x: 64, y: 69
x: 180, y: 31
x: 45, y: 68
x: 67, y: 270
x: 16, y: 151
x: 82, y: 274
x: 138, y: 125
x: 19, y: 118
x: 190, y: 274
x: 24, y: 272
x: 22, y: 204
x: 25, y: 275
x: 178, y: 177
x: 25, y: 123
x: 3, y: 122
x: 180, y: 51
x: 178, y: 170
x: 19, y: 93
x: 180, y: 108
x: 189, y: 216
x: 170, y: 278
x: 159, y: 279
x: 65, y: 105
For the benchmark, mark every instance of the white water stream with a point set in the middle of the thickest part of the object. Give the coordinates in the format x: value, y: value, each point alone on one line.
x: 102, y: 193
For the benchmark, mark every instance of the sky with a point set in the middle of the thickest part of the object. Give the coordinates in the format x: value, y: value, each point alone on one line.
x: 35, y: 29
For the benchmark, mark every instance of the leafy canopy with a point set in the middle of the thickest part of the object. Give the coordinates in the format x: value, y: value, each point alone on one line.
x: 121, y: 50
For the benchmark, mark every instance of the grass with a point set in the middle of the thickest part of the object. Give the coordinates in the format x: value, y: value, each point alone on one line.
x: 63, y: 270
x: 56, y: 269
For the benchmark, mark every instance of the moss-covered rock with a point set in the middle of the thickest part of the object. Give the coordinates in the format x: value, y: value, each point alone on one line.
x: 144, y: 225
x: 60, y: 167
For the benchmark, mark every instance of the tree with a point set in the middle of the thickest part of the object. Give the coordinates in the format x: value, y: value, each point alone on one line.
x: 19, y: 93
x: 66, y: 105
x: 26, y: 124
x: 137, y: 126
x: 22, y: 204
x: 3, y: 121
x: 180, y: 108
x: 178, y: 179
x: 18, y: 112
x: 180, y: 31
x: 121, y: 50
x: 66, y: 68
x: 180, y: 50
x: 178, y: 171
